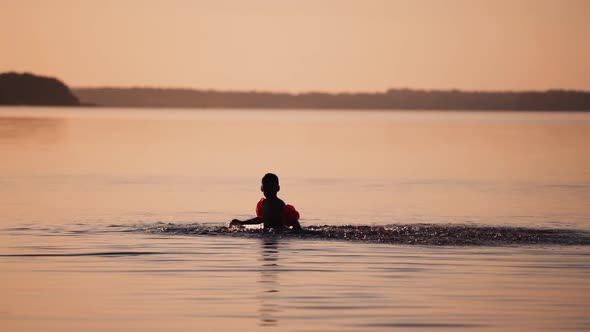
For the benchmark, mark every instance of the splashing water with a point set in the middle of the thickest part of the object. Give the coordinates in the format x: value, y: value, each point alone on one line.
x: 413, y: 234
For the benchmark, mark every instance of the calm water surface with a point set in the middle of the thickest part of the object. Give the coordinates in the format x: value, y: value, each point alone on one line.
x: 78, y: 187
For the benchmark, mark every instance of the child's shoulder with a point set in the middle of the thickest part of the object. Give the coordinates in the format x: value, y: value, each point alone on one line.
x: 274, y: 199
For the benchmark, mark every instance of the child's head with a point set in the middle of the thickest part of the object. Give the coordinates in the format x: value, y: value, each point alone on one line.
x: 270, y: 185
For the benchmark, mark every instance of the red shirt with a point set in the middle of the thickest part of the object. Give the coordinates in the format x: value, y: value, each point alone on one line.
x: 288, y: 217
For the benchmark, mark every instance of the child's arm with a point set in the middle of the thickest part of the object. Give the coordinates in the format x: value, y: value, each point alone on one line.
x: 296, y: 225
x: 253, y: 221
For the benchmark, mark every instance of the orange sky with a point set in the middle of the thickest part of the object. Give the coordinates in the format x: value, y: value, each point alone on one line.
x: 300, y: 45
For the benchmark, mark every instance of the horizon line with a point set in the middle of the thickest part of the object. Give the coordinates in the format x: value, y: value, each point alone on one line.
x: 146, y: 87
x: 303, y: 92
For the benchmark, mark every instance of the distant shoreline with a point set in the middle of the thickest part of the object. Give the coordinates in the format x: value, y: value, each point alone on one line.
x: 28, y: 89
x: 245, y: 109
x: 393, y: 99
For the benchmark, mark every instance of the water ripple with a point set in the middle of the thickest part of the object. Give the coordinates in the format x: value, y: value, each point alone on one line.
x: 411, y: 234
x: 109, y: 254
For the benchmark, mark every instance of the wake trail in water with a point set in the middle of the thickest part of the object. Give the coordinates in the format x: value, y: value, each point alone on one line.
x: 411, y: 234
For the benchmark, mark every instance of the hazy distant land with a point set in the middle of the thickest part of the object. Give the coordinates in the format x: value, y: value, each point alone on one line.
x: 28, y: 89
x: 401, y: 99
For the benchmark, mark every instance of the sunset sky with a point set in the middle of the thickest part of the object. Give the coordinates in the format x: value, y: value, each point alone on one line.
x: 299, y: 45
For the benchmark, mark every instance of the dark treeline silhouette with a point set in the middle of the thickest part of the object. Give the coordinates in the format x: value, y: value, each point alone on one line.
x: 28, y: 89
x: 404, y: 99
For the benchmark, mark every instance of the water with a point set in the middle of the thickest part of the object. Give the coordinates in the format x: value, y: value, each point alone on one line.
x: 103, y: 212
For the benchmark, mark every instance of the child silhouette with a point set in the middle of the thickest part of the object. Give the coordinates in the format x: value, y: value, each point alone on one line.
x: 271, y: 211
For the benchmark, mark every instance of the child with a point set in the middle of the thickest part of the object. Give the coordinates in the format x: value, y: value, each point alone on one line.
x: 271, y: 211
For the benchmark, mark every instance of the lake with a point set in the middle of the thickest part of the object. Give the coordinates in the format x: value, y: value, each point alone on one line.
x: 88, y: 196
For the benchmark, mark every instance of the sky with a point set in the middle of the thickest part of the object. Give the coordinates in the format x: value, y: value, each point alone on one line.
x: 301, y: 45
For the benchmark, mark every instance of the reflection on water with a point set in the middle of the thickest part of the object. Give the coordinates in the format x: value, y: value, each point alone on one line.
x: 336, y: 168
x: 100, y: 280
x: 23, y: 129
x: 269, y: 282
x: 76, y: 185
